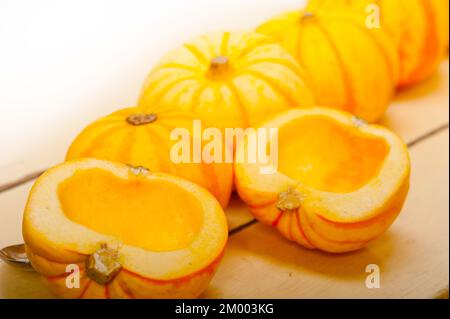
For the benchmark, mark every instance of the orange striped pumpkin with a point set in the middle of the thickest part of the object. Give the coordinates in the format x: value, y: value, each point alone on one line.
x: 228, y: 79
x: 418, y: 27
x: 348, y: 66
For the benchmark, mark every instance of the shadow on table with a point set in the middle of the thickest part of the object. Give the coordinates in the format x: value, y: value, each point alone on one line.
x: 21, y: 284
x: 421, y: 89
x: 279, y: 253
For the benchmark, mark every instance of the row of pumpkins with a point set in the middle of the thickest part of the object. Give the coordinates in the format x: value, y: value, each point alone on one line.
x: 323, y: 55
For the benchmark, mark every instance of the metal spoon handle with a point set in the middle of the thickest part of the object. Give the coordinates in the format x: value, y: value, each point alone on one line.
x: 16, y: 256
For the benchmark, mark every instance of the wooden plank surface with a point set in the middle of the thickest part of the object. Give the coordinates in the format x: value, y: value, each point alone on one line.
x: 412, y: 255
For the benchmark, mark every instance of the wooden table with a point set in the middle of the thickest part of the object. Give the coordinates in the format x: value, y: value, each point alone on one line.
x: 413, y: 255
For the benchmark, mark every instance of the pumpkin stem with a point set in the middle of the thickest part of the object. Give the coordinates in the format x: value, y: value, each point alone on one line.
x: 141, y: 119
x: 219, y: 66
x: 138, y: 170
x: 359, y: 122
x: 306, y: 16
x: 289, y: 200
x: 102, y: 266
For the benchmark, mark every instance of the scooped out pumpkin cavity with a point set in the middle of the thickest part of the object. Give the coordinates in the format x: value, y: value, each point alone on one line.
x: 136, y: 210
x: 326, y: 155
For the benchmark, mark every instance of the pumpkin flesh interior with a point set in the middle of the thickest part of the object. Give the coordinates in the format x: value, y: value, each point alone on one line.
x: 329, y: 156
x: 150, y: 214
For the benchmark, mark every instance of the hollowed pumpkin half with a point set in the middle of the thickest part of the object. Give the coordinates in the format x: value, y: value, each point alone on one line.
x: 131, y: 233
x: 143, y: 138
x: 340, y: 182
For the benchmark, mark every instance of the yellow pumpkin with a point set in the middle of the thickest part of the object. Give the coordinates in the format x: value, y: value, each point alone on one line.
x: 339, y: 182
x: 418, y: 27
x: 229, y: 79
x: 347, y: 66
x: 98, y: 229
x: 134, y: 137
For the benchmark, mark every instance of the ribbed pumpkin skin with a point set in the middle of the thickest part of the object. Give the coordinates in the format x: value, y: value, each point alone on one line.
x: 113, y: 138
x: 418, y: 27
x: 228, y: 79
x: 348, y: 66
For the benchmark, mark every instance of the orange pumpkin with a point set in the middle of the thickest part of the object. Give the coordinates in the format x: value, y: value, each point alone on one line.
x: 418, y: 27
x: 229, y: 79
x: 98, y: 229
x: 134, y: 137
x: 339, y: 182
x: 348, y: 66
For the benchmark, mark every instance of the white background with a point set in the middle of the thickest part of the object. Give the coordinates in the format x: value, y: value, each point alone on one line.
x: 65, y: 63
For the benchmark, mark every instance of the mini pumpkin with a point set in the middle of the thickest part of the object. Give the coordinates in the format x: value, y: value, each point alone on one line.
x: 98, y: 229
x: 339, y: 184
x: 139, y: 138
x: 418, y: 27
x: 228, y: 79
x: 348, y: 66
